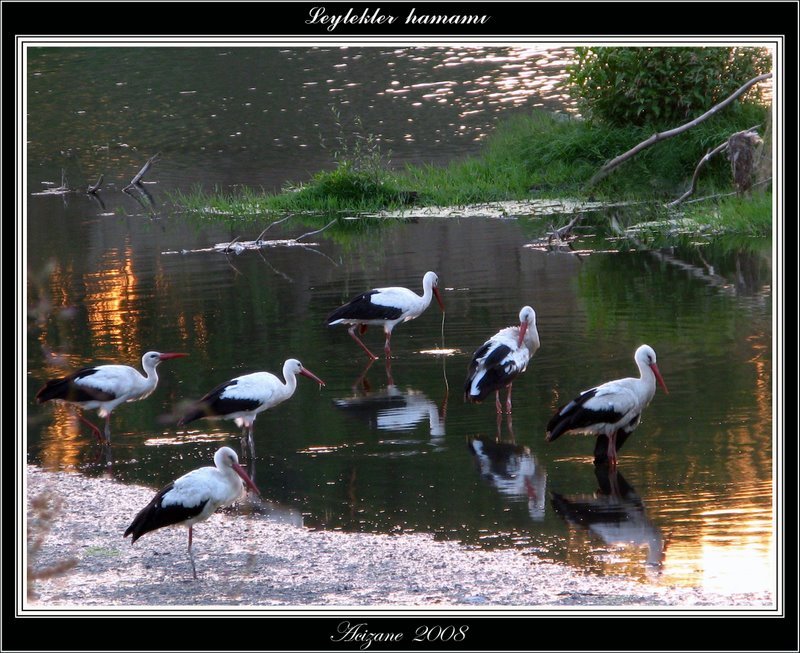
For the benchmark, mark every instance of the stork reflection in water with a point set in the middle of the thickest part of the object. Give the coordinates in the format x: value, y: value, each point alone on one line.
x: 513, y: 470
x: 391, y: 408
x: 614, y: 514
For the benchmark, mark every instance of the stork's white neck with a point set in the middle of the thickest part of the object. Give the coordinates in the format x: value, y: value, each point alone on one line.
x: 290, y: 380
x: 148, y: 381
x: 646, y: 381
x: 427, y: 291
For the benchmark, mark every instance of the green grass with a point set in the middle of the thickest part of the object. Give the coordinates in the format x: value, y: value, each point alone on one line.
x: 538, y: 155
x: 749, y: 215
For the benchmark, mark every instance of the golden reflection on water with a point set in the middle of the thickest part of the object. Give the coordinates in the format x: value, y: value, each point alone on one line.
x: 729, y: 554
x: 63, y: 439
x: 111, y: 304
x: 111, y: 297
x: 723, y: 563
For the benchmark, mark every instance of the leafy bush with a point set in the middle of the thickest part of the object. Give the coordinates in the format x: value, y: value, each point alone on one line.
x: 659, y: 86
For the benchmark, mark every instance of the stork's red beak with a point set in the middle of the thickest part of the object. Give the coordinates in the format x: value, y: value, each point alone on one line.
x: 166, y: 357
x: 311, y: 376
x: 438, y: 298
x: 247, y: 480
x: 660, y: 380
x: 523, y: 329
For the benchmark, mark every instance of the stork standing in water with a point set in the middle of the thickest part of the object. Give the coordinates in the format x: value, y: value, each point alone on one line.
x: 194, y: 497
x: 385, y: 307
x: 243, y: 398
x: 105, y: 387
x: 501, y: 359
x: 610, y: 411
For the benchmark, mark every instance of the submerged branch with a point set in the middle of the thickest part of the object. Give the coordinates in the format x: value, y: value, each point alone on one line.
x: 270, y: 225
x: 237, y: 247
x: 311, y: 233
x: 144, y: 170
x: 96, y: 187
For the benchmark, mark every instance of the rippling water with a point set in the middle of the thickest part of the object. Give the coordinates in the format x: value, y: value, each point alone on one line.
x: 262, y: 116
x: 692, y: 501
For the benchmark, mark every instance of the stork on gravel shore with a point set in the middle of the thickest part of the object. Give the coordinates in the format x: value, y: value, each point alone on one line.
x: 194, y: 497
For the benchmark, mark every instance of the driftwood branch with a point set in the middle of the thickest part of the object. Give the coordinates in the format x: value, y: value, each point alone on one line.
x: 701, y: 164
x: 63, y: 188
x: 656, y: 138
x: 564, y: 232
x: 144, y: 170
x: 270, y: 225
x: 311, y: 233
x: 96, y: 187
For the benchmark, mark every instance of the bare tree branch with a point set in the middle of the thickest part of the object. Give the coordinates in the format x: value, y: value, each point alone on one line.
x: 270, y: 225
x: 656, y: 138
x: 311, y: 233
x: 763, y: 182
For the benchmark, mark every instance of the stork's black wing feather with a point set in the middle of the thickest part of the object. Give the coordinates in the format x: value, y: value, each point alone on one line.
x: 65, y: 388
x: 575, y: 416
x: 155, y: 515
x: 362, y: 308
x: 213, y: 404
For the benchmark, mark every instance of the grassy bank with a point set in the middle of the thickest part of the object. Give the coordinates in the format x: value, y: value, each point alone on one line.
x: 533, y: 156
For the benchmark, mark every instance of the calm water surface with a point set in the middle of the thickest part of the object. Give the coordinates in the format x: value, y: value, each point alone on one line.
x: 692, y: 501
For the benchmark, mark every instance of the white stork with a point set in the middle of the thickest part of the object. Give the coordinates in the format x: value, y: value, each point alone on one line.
x: 386, y: 307
x: 501, y: 359
x: 610, y: 411
x: 194, y: 497
x: 243, y: 398
x: 105, y: 387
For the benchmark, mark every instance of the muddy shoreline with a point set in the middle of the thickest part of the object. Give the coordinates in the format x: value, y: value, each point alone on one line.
x: 248, y: 561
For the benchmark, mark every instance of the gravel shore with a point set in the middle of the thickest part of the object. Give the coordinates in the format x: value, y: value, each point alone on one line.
x: 246, y: 560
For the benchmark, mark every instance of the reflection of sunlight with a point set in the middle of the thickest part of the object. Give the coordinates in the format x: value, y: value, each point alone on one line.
x: 63, y: 440
x: 526, y: 73
x: 110, y: 302
x: 722, y: 565
x: 440, y: 352
x: 732, y: 552
x: 187, y: 438
x: 320, y: 449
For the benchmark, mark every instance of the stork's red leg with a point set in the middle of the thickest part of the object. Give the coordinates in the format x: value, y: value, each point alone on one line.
x: 389, y: 377
x: 191, y: 557
x: 95, y: 430
x: 612, y: 449
x: 508, y: 399
x: 498, y: 406
x: 352, y: 332
x: 387, y: 346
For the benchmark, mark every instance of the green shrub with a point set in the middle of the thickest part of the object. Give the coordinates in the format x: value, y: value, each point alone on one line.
x: 659, y: 86
x: 353, y: 185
